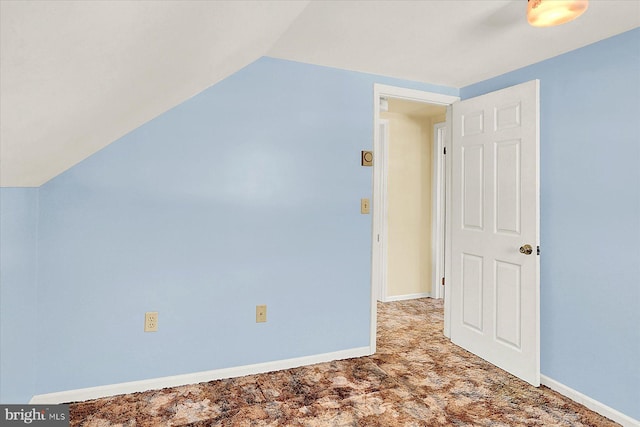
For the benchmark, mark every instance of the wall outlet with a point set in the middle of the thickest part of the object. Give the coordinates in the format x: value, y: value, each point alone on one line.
x: 261, y: 313
x: 151, y: 321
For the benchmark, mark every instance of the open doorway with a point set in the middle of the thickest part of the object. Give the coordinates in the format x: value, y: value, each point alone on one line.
x: 492, y: 199
x: 409, y: 195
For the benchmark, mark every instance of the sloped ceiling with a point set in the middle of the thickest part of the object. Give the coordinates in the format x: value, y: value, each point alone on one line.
x: 77, y: 75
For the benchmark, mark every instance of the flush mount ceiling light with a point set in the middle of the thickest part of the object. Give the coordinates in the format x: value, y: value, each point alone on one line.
x: 547, y: 13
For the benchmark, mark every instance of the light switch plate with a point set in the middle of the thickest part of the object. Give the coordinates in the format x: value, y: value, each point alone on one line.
x: 364, y: 206
x: 261, y: 313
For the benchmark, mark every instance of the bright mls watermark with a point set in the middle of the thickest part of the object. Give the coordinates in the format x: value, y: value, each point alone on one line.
x: 36, y: 415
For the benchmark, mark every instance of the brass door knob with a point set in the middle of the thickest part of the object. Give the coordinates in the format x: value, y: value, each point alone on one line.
x: 526, y: 249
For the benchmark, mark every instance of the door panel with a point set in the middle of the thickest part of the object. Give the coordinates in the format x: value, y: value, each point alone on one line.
x: 472, y: 197
x: 495, y: 211
x: 507, y: 116
x: 473, y: 123
x: 472, y: 287
x: 508, y: 303
x: 507, y: 187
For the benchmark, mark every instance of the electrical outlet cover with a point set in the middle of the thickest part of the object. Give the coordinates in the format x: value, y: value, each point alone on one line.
x: 151, y: 321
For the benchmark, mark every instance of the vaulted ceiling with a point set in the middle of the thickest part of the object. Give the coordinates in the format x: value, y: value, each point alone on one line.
x: 77, y: 75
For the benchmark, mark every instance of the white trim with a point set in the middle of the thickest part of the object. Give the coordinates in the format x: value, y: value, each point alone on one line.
x: 411, y: 94
x: 447, y: 226
x: 589, y: 402
x: 198, y: 377
x: 407, y: 296
x: 380, y: 242
x: 379, y: 91
x: 194, y: 378
x: 437, y: 203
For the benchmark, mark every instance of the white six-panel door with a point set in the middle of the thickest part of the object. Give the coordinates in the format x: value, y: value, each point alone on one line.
x: 494, y: 287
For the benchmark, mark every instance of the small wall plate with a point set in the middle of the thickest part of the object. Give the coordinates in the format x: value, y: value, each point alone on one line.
x: 366, y: 158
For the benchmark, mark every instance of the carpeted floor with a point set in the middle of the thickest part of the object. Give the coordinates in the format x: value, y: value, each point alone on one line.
x: 417, y: 378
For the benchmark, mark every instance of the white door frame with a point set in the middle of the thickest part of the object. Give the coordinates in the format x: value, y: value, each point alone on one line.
x: 380, y: 173
x: 385, y: 91
x: 438, y: 206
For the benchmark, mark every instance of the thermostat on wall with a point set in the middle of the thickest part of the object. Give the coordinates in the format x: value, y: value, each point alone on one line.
x: 366, y: 158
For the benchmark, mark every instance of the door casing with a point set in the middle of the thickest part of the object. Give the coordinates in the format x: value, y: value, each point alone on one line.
x: 385, y: 91
x: 439, y: 207
x: 379, y: 242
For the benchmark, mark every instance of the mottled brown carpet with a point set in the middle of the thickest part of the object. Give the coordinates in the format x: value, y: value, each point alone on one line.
x: 417, y: 378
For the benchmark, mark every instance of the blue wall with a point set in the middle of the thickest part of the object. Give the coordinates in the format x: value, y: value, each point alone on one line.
x: 245, y: 194
x: 590, y: 217
x: 18, y: 296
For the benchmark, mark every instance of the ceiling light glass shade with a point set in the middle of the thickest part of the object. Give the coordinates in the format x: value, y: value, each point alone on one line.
x: 547, y: 13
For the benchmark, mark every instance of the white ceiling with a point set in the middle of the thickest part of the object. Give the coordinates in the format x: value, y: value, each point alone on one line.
x: 77, y: 75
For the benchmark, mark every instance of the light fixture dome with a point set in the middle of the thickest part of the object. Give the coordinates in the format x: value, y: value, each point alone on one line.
x: 547, y: 13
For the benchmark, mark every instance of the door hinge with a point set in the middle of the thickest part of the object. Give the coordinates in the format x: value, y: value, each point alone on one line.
x: 443, y: 281
x: 538, y: 250
x: 444, y: 150
x: 378, y: 237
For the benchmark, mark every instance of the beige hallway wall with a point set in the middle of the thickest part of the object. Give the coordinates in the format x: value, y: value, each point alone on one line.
x: 409, y: 204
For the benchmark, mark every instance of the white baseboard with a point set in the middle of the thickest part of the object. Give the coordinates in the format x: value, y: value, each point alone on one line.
x: 407, y: 296
x: 193, y: 378
x: 205, y: 376
x: 590, y: 403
